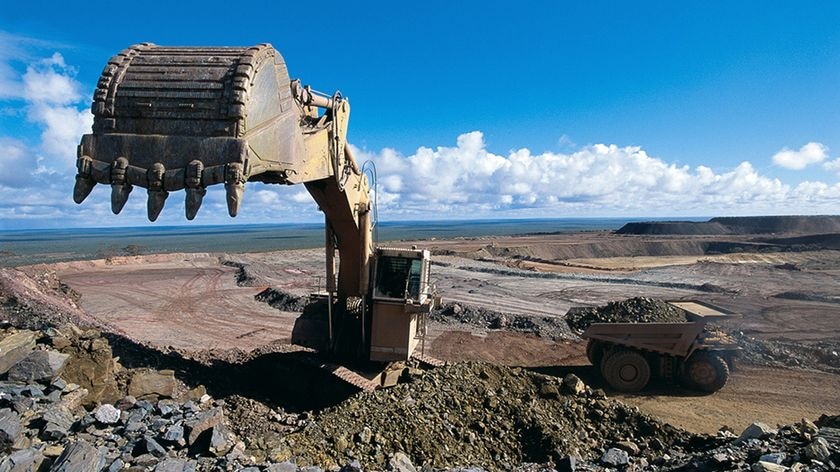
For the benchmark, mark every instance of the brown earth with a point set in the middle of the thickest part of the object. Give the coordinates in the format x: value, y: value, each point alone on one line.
x: 192, y: 302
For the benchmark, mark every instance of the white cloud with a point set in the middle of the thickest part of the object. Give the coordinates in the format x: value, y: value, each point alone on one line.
x: 50, y: 81
x: 601, y: 179
x: 17, y: 161
x: 811, y: 153
x: 833, y: 166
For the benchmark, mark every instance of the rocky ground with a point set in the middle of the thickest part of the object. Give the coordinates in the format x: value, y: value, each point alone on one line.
x: 68, y: 403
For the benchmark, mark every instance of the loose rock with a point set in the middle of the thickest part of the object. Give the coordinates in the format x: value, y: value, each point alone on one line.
x: 107, y: 414
x: 9, y: 429
x: 161, y: 384
x: 78, y: 457
x: 38, y: 366
x: 14, y: 348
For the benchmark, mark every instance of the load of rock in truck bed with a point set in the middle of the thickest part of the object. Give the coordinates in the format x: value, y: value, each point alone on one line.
x: 632, y: 310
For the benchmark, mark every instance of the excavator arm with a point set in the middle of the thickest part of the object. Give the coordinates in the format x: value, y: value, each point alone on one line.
x: 173, y: 118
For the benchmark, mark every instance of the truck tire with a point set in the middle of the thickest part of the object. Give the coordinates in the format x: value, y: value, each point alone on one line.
x: 705, y: 371
x: 626, y: 371
x: 594, y: 352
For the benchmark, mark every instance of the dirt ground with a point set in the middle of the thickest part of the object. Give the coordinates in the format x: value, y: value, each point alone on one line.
x: 192, y: 302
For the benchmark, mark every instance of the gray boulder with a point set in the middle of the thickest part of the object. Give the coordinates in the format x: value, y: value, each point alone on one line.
x: 175, y: 465
x: 201, y: 423
x: 39, y: 366
x: 57, y: 423
x: 10, y: 429
x: 27, y: 460
x: 762, y: 466
x: 755, y: 431
x: 79, y: 457
x: 615, y: 457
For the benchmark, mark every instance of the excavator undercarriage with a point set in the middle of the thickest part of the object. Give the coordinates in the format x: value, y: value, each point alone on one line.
x: 173, y: 118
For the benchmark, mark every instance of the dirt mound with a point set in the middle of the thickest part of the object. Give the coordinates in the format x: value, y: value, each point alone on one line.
x: 39, y: 299
x: 281, y: 300
x: 740, y: 225
x: 632, y: 310
x: 478, y: 414
x: 543, y: 326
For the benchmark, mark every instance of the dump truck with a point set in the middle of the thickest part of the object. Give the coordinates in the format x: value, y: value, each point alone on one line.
x: 187, y: 118
x: 628, y: 355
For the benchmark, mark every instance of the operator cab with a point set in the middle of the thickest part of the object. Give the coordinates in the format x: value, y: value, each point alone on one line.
x: 402, y: 299
x: 401, y: 274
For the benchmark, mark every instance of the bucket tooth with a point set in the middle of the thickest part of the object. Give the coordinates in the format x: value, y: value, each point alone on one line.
x: 234, y: 197
x: 195, y: 192
x: 119, y: 195
x: 84, y: 181
x: 157, y: 194
x: 193, y: 201
x: 82, y: 188
x: 234, y: 186
x: 155, y: 203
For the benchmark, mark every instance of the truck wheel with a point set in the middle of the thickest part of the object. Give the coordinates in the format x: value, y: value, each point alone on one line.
x: 594, y: 352
x: 626, y: 371
x: 705, y: 371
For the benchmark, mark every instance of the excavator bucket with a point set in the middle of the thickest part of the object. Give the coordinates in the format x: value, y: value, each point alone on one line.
x: 172, y: 118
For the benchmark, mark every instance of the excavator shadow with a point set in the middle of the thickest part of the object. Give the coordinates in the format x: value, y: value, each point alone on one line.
x: 289, y: 380
x: 590, y: 376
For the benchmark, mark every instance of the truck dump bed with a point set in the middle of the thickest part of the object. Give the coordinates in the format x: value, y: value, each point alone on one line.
x: 675, y: 339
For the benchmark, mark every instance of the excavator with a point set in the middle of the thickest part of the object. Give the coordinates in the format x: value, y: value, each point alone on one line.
x: 172, y: 118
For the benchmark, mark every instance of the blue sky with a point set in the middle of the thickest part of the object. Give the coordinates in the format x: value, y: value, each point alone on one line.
x: 670, y: 89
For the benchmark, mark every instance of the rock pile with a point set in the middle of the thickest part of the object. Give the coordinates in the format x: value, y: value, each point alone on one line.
x: 67, y: 405
x: 480, y: 414
x: 805, y: 446
x: 632, y: 310
x: 281, y: 300
x: 821, y: 355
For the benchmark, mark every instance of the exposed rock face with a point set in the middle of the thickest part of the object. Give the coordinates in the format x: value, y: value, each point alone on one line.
x: 91, y: 366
